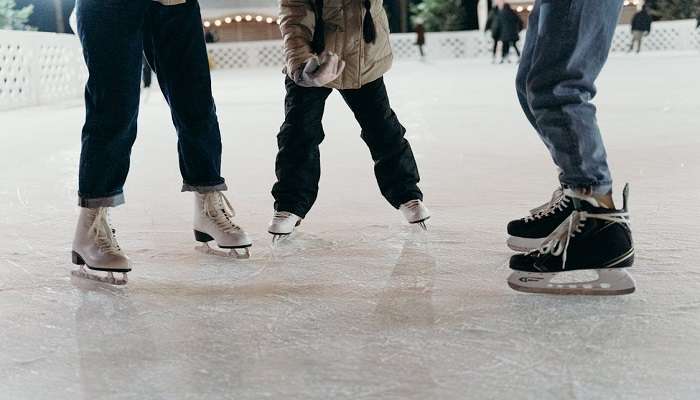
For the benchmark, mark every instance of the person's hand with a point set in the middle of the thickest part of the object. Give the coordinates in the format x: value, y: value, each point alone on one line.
x: 318, y: 71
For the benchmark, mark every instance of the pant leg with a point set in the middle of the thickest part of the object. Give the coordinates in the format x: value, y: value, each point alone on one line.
x: 298, y: 163
x: 505, y: 50
x: 175, y: 48
x: 110, y: 33
x: 394, y: 164
x: 526, y: 64
x: 572, y: 45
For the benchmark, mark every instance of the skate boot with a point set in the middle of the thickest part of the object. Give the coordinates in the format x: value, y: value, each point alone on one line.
x: 527, y: 234
x: 415, y: 212
x: 590, y: 238
x: 213, y: 221
x: 95, y: 248
x: 282, y: 225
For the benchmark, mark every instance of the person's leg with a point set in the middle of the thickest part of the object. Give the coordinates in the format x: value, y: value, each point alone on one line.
x: 494, y: 50
x: 573, y: 42
x: 110, y: 33
x: 505, y: 51
x: 298, y: 165
x: 639, y: 41
x: 517, y: 50
x: 394, y: 164
x: 174, y: 45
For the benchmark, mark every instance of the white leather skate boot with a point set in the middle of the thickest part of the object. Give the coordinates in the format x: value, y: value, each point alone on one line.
x: 415, y: 212
x: 283, y: 224
x: 95, y: 247
x: 213, y: 221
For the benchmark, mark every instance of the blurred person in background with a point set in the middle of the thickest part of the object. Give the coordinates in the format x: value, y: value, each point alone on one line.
x: 509, y: 25
x: 493, y: 26
x: 420, y: 37
x: 641, y: 26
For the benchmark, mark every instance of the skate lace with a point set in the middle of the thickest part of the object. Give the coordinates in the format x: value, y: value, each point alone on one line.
x: 281, y: 215
x: 218, y: 209
x: 557, y: 243
x: 557, y: 203
x: 105, y: 235
x: 412, y: 205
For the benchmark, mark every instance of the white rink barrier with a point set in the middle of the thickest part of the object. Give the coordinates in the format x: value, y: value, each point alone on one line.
x: 43, y: 68
x: 39, y: 68
x: 665, y: 36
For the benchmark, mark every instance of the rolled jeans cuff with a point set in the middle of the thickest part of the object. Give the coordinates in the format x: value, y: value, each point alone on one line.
x: 204, y: 189
x: 111, y: 201
x: 597, y: 189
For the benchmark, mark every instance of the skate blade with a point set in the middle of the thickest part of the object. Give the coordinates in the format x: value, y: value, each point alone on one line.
x: 109, y: 278
x: 242, y: 253
x: 610, y: 282
x: 278, y: 238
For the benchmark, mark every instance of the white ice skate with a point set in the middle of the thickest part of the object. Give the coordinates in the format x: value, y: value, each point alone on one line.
x: 213, y: 221
x: 95, y: 248
x: 415, y: 212
x: 282, y: 224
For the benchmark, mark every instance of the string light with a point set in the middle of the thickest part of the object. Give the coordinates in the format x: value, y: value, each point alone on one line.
x: 520, y: 9
x: 239, y: 18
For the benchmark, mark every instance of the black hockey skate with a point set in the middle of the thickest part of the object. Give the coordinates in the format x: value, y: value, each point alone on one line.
x: 528, y: 233
x: 591, y: 238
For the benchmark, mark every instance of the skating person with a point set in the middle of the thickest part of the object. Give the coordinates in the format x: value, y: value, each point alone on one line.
x: 641, y: 26
x: 345, y: 47
x: 114, y: 35
x: 509, y: 26
x: 580, y: 228
x: 420, y: 37
x: 492, y: 26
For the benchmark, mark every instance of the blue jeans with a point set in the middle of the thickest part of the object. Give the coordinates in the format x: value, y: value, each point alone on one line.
x: 567, y: 44
x: 114, y: 35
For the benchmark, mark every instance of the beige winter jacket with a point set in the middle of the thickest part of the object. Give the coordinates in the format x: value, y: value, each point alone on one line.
x: 343, y: 19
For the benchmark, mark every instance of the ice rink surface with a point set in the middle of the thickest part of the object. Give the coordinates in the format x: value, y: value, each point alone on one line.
x: 357, y: 305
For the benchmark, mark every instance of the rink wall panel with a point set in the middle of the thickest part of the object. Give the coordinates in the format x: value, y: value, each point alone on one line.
x: 39, y: 68
x: 43, y: 68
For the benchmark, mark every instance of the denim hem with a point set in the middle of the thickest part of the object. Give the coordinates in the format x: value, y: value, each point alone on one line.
x: 111, y: 201
x: 204, y: 189
x: 398, y: 201
x: 294, y: 210
x: 598, y: 188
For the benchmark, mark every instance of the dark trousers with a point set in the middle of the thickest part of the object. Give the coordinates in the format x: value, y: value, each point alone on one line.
x: 114, y: 35
x: 298, y: 164
x: 506, y: 49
